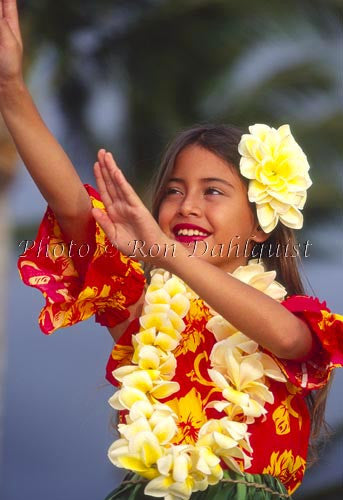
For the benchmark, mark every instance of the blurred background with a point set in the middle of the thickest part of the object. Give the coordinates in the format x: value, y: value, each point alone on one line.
x: 127, y: 75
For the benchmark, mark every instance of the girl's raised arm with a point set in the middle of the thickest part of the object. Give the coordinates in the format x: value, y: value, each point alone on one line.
x: 46, y: 161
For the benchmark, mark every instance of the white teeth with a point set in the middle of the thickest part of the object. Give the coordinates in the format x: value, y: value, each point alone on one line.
x: 190, y: 232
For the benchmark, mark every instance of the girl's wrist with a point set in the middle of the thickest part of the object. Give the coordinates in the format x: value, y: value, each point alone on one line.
x: 12, y: 91
x: 159, y: 254
x: 174, y: 255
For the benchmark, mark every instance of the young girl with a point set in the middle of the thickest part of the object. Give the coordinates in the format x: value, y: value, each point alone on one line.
x: 215, y: 360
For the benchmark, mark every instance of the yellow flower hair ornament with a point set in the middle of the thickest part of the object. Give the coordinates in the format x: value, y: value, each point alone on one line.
x: 278, y: 172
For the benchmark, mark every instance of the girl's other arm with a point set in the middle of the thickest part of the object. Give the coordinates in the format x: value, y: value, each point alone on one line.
x: 252, y: 312
x: 46, y: 161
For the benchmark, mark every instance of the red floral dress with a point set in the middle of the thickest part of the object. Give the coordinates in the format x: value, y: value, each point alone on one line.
x: 107, y: 282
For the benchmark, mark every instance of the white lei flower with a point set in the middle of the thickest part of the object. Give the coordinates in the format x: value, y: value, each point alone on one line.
x: 238, y: 368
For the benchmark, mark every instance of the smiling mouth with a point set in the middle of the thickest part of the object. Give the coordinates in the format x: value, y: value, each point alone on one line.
x: 189, y: 234
x: 189, y: 239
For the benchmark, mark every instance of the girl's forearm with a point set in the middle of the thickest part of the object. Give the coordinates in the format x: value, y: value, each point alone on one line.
x: 46, y: 161
x: 258, y: 316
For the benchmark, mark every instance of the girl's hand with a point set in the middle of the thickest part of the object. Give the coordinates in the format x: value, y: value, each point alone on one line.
x: 11, y: 45
x: 127, y: 223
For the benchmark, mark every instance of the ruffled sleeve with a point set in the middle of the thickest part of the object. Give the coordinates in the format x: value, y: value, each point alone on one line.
x: 313, y: 372
x: 104, y: 283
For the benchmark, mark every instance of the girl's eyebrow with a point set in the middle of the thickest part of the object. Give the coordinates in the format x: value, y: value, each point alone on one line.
x: 204, y: 180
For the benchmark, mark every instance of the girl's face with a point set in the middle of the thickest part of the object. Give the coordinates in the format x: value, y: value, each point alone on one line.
x: 206, y: 208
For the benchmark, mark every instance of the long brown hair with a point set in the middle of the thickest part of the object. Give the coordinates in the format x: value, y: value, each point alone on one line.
x: 223, y: 140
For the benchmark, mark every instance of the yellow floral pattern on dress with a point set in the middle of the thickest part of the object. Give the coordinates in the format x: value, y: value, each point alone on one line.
x: 122, y: 354
x: 281, y: 416
x: 285, y: 466
x: 195, y: 374
x: 193, y: 335
x: 191, y: 416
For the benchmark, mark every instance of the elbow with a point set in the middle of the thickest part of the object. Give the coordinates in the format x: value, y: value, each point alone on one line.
x: 289, y: 349
x: 296, y: 342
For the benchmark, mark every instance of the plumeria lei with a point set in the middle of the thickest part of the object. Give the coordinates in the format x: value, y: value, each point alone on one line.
x: 278, y: 172
x: 239, y: 369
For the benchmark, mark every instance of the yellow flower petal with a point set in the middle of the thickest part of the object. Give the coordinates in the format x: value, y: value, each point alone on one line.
x: 260, y: 130
x: 180, y: 469
x: 257, y: 192
x: 146, y: 445
x: 250, y: 369
x: 141, y: 409
x: 248, y: 166
x: 236, y: 397
x: 165, y: 389
x: 168, y: 367
x: 154, y: 320
x: 223, y: 441
x: 182, y: 490
x: 164, y: 464
x: 180, y: 304
x: 132, y: 463
x: 176, y: 321
x: 128, y: 396
x: 219, y: 380
x: 271, y: 369
x: 156, y: 308
x: 166, y: 342
x: 292, y: 218
x: 174, y: 286
x: 165, y: 430
x: 159, y: 486
x: 237, y: 430
x: 131, y: 430
x: 160, y: 296
x: 115, y: 403
x: 140, y: 379
x: 263, y: 280
x: 220, y: 328
x: 284, y: 130
x: 123, y: 371
x: 266, y: 216
x: 232, y: 464
x: 148, y: 358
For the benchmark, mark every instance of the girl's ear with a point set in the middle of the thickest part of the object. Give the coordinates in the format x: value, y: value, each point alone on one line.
x: 258, y: 235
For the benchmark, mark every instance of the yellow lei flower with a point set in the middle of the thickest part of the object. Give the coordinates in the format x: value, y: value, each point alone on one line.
x: 146, y: 445
x: 278, y: 169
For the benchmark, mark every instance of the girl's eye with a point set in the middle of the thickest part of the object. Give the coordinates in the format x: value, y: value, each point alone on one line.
x: 213, y: 190
x: 172, y: 190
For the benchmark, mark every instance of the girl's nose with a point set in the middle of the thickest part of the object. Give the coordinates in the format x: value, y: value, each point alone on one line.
x: 190, y: 206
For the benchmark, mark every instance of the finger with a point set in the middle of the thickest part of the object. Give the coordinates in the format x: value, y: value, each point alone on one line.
x: 110, y: 183
x: 127, y: 192
x: 1, y: 11
x: 101, y: 160
x: 100, y: 182
x: 110, y: 186
x: 101, y: 155
x: 10, y: 13
x: 106, y: 224
x: 117, y: 176
x: 109, y: 166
